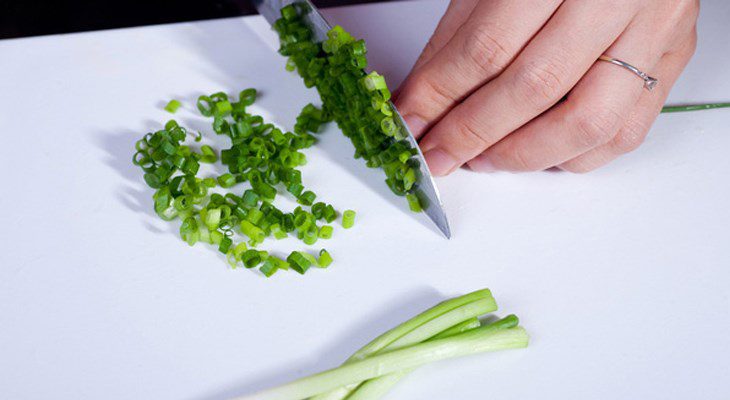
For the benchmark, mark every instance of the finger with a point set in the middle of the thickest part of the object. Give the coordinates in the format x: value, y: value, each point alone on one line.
x: 456, y: 14
x: 545, y: 71
x: 481, y: 48
x: 596, y: 109
x: 633, y: 133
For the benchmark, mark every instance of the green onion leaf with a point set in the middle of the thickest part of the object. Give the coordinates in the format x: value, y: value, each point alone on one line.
x: 325, y: 259
x: 172, y: 106
x: 226, y: 180
x: 205, y: 105
x: 298, y: 262
x: 325, y: 232
x: 251, y: 258
x: 348, y: 219
x: 269, y: 267
x: 306, y: 198
x: 225, y: 244
x: 413, y: 202
x: 209, y: 156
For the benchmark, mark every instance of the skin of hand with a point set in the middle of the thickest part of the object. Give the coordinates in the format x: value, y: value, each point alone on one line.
x: 514, y: 85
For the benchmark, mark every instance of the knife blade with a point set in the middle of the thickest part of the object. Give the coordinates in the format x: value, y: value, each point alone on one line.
x: 426, y: 189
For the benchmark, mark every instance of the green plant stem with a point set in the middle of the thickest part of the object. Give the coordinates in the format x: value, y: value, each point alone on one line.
x: 469, y: 324
x: 694, y: 107
x: 396, y: 333
x: 419, y: 328
x: 376, y: 388
x: 475, y: 341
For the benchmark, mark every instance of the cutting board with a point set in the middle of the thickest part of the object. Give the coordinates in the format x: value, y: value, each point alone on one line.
x: 621, y: 275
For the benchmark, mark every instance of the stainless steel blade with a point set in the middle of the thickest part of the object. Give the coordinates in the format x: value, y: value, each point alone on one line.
x: 426, y: 187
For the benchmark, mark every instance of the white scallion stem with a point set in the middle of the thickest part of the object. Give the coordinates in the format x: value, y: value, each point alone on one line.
x: 376, y: 388
x: 471, y: 342
x: 424, y: 326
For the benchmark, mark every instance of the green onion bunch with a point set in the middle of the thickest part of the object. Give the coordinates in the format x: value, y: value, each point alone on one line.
x: 357, y: 101
x: 449, y: 329
x: 261, y: 155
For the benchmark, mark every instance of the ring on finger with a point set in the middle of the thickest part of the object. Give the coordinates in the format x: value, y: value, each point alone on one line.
x: 649, y: 82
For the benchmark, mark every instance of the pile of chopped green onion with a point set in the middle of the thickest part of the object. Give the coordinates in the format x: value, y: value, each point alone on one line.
x: 450, y: 329
x: 359, y: 102
x: 262, y: 156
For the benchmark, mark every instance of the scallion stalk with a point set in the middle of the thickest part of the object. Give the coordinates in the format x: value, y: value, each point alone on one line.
x: 434, y: 321
x: 479, y: 340
x: 376, y: 388
x: 396, y: 333
x: 694, y: 107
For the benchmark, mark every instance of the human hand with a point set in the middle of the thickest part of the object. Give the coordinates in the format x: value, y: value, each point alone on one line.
x: 487, y: 90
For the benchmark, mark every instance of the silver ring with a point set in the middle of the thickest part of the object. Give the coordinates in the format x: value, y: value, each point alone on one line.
x: 649, y: 82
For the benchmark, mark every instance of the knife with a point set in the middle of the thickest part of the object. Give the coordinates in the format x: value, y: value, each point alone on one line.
x: 426, y: 189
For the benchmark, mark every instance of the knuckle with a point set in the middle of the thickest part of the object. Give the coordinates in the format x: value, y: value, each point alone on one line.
x: 597, y: 127
x: 485, y: 49
x: 630, y: 137
x: 691, y: 9
x: 681, y: 17
x: 432, y: 92
x: 519, y: 160
x: 515, y: 156
x: 541, y: 83
x: 469, y: 132
x: 685, y: 46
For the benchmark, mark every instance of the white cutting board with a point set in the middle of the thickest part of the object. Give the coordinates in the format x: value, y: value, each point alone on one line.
x: 621, y: 276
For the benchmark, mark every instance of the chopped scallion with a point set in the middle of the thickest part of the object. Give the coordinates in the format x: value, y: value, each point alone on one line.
x: 325, y: 259
x: 298, y: 262
x: 348, y: 219
x: 172, y: 106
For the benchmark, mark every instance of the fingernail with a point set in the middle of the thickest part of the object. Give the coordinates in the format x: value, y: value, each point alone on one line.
x: 482, y: 164
x: 439, y: 162
x: 416, y: 124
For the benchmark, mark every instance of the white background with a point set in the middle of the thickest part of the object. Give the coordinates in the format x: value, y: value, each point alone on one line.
x: 621, y: 276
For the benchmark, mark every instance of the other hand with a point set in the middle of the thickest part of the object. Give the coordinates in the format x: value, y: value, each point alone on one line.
x: 489, y: 89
